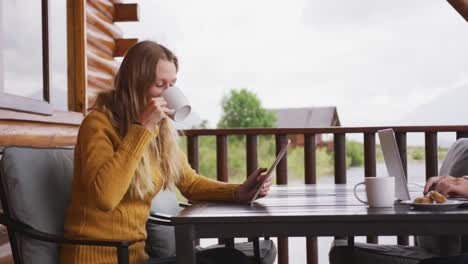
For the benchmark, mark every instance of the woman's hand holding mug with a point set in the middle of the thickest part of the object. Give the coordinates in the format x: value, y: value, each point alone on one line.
x: 155, y: 111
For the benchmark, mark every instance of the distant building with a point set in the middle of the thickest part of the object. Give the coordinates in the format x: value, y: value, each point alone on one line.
x: 307, y: 117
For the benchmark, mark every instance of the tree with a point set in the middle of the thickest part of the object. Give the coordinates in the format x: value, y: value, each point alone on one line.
x: 242, y: 108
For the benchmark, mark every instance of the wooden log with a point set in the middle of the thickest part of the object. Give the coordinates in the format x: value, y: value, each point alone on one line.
x: 122, y: 45
x: 106, y: 7
x: 126, y: 12
x: 100, y: 41
x: 102, y: 61
x: 103, y: 23
x: 101, y: 80
x: 20, y: 133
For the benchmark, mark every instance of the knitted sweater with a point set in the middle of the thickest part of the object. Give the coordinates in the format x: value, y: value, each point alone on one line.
x: 99, y: 207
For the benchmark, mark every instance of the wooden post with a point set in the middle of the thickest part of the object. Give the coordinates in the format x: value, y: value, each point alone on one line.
x: 310, y: 173
x: 192, y: 152
x: 432, y: 168
x: 370, y: 169
x: 340, y: 158
x: 282, y: 178
x: 222, y: 158
x: 401, y: 143
x: 461, y: 134
x: 252, y: 154
x: 76, y: 56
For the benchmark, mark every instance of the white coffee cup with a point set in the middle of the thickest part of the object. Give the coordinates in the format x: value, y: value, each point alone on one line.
x: 179, y: 104
x: 380, y: 191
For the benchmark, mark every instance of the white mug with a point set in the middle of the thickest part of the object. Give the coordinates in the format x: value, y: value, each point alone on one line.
x: 380, y: 191
x: 179, y: 104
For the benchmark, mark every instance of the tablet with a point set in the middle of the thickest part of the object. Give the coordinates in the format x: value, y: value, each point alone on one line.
x: 270, y: 170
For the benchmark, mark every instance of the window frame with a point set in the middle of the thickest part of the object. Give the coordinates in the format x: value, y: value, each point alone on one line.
x: 25, y: 104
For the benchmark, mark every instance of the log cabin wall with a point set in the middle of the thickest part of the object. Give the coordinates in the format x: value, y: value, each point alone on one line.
x: 105, y: 42
x: 93, y: 43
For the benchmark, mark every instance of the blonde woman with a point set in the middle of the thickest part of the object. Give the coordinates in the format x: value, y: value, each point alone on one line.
x: 126, y: 153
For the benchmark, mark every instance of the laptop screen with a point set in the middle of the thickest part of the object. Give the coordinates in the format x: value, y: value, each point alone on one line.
x: 393, y: 163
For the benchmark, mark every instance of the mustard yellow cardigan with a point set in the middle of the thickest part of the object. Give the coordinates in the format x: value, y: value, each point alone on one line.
x: 99, y: 209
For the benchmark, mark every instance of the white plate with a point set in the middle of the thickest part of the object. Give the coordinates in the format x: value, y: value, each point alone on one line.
x: 448, y: 205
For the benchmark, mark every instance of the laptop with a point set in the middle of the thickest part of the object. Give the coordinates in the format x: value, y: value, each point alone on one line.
x: 393, y: 163
x: 270, y: 170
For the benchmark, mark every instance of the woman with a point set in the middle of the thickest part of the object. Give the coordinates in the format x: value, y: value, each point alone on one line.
x: 126, y: 153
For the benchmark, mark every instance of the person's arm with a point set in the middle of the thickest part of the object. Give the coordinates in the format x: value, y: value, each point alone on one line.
x: 448, y: 186
x: 107, y: 171
x: 199, y: 188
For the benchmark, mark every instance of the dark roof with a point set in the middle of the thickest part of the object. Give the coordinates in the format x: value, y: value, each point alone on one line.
x: 306, y: 117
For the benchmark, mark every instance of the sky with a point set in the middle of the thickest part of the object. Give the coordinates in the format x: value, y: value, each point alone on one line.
x: 376, y: 61
x: 379, y: 62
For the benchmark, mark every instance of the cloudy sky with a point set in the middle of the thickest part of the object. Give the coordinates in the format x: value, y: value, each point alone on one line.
x: 375, y: 60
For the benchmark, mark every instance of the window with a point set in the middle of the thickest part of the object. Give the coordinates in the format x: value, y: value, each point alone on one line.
x: 24, y: 56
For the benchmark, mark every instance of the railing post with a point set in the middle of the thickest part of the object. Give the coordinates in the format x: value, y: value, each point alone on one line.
x: 401, y: 143
x: 222, y: 158
x: 340, y: 158
x: 310, y: 169
x: 192, y: 152
x: 370, y: 169
x: 462, y: 134
x: 252, y: 155
x: 282, y: 179
x: 339, y: 146
x: 432, y: 168
x: 310, y: 172
x: 252, y: 161
x: 222, y: 169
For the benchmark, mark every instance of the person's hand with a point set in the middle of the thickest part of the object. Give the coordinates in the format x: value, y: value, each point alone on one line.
x: 432, y: 182
x: 448, y: 186
x: 155, y: 111
x: 252, y: 184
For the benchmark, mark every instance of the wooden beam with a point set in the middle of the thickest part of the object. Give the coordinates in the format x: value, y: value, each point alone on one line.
x: 76, y: 54
x: 461, y: 6
x: 126, y: 12
x: 122, y: 45
x: 23, y: 133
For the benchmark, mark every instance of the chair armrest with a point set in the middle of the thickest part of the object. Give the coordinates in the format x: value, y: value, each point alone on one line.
x: 17, y: 226
x: 184, y: 205
x: 158, y: 219
x: 161, y: 216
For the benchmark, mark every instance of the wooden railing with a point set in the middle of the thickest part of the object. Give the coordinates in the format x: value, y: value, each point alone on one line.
x: 310, y: 168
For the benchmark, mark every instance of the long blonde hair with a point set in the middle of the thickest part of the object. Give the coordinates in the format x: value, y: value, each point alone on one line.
x: 124, y: 105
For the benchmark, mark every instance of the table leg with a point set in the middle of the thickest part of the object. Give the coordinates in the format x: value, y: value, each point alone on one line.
x: 185, y: 244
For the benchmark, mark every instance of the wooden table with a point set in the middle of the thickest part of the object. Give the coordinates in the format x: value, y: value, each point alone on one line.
x: 308, y: 210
